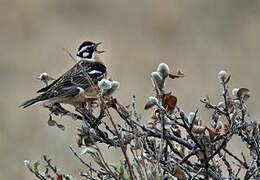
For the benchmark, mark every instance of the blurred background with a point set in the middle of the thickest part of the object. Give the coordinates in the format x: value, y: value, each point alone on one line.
x: 200, y: 38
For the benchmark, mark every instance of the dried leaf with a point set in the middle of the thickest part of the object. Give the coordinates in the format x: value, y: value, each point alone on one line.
x: 226, y: 128
x: 88, y: 142
x: 201, y: 154
x: 252, y: 148
x: 112, y: 103
x: 212, y: 133
x: 176, y: 132
x: 79, y: 140
x: 198, y: 129
x: 230, y: 103
x: 50, y: 78
x: 154, y: 115
x: 170, y: 103
x: 59, y: 177
x: 123, y: 110
x: 179, y: 174
x: 148, y: 105
x: 243, y: 93
x: 127, y: 106
x: 178, y: 75
x: 218, y: 143
x: 51, y: 122
x: 227, y: 80
x: 89, y: 98
x: 153, y: 124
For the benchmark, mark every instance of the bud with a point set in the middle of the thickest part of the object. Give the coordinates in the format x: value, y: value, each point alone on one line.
x: 86, y: 151
x: 157, y: 79
x: 104, y: 84
x: 42, y: 76
x: 234, y: 92
x: 115, y: 85
x: 244, y: 95
x: 92, y: 132
x: 215, y: 116
x: 27, y: 164
x: 237, y: 102
x: 163, y: 70
x: 153, y: 100
x: 219, y: 125
x: 168, y: 121
x: 222, y: 76
x: 79, y: 140
x: 205, y: 100
x: 43, y: 174
x: 191, y: 116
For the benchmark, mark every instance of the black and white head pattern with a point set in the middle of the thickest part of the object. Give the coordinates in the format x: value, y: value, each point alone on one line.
x: 86, y: 50
x: 96, y: 71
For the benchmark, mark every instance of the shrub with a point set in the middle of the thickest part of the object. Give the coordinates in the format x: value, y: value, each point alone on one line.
x: 171, y: 145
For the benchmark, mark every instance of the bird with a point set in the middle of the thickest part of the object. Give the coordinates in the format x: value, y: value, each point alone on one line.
x: 74, y: 87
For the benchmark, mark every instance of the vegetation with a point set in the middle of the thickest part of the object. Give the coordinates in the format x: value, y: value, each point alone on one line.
x: 170, y: 145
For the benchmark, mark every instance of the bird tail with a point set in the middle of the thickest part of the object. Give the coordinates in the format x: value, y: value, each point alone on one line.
x: 30, y: 102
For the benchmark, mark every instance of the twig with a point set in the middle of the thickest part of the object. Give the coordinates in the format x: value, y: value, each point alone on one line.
x: 85, y: 163
x: 236, y: 158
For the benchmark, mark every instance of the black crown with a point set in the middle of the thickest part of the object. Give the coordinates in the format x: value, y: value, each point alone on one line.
x: 86, y: 49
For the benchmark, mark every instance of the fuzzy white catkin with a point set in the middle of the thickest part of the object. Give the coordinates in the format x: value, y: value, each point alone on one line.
x: 222, y: 76
x: 105, y: 84
x: 153, y: 100
x: 114, y: 87
x: 234, y: 92
x: 158, y: 80
x: 191, y: 116
x: 27, y: 164
x: 43, y: 76
x: 163, y: 70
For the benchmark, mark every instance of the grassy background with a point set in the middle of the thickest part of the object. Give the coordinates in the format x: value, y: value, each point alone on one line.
x: 198, y: 37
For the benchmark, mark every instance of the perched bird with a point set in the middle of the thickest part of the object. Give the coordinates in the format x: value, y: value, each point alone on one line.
x: 74, y: 87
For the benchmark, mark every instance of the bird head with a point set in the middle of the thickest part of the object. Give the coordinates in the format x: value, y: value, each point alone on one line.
x: 88, y: 51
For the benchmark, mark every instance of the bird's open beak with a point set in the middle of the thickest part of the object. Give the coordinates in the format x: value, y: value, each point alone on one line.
x: 96, y: 45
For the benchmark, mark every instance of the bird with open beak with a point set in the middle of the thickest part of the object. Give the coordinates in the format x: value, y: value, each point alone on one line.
x: 74, y: 87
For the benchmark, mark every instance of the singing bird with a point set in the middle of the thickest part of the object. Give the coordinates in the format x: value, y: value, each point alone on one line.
x: 74, y: 87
